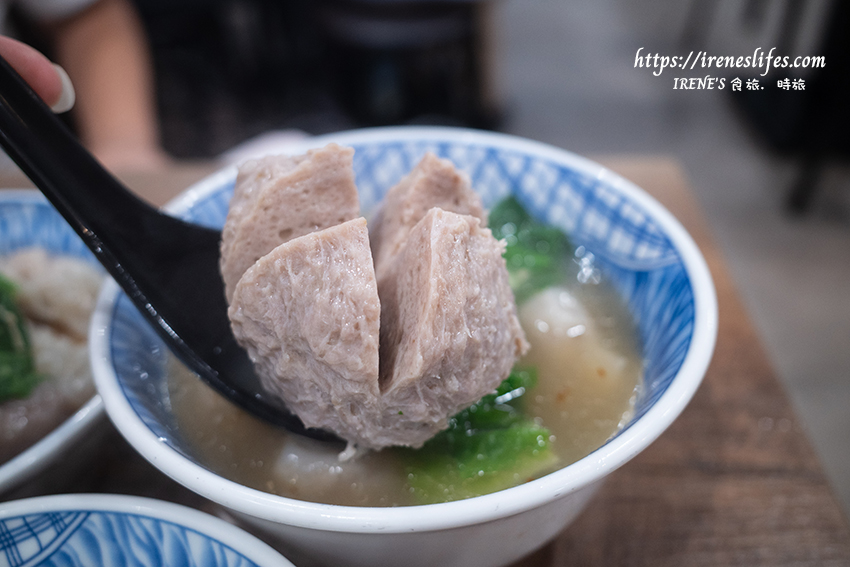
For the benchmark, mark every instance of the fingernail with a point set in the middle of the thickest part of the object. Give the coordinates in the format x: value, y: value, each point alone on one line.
x: 67, y: 98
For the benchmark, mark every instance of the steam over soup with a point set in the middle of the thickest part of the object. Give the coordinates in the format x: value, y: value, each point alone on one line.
x: 574, y: 388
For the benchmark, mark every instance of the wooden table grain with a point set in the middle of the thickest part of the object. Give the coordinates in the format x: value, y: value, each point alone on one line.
x: 734, y: 480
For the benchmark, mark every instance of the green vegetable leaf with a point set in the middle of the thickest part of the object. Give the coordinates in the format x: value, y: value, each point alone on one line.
x: 487, y: 447
x: 536, y: 254
x: 17, y: 368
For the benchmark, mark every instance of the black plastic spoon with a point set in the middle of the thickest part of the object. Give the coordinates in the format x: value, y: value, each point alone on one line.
x: 168, y: 267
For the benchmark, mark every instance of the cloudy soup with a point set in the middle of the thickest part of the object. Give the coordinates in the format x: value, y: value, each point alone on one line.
x: 573, y: 390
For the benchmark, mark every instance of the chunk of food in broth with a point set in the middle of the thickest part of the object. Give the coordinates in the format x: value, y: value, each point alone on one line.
x: 449, y: 327
x: 55, y: 290
x: 278, y: 198
x: 434, y: 182
x: 308, y: 315
x: 55, y: 295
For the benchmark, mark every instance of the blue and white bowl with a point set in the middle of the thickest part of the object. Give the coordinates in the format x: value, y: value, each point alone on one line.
x: 27, y: 219
x: 644, y: 251
x: 115, y: 531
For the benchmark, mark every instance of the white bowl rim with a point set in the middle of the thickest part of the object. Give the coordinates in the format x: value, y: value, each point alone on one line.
x: 219, y: 530
x: 460, y: 513
x: 43, y: 452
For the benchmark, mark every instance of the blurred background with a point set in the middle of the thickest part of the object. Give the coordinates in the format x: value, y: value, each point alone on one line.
x: 768, y: 166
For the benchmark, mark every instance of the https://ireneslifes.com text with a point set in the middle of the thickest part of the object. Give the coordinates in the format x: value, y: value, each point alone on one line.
x: 738, y: 72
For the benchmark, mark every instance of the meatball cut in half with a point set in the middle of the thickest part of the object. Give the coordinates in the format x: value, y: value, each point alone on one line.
x: 434, y: 182
x: 449, y: 327
x: 308, y: 315
x: 278, y: 198
x: 381, y: 351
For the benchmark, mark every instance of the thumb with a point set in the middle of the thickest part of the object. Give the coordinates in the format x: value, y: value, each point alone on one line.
x: 48, y: 80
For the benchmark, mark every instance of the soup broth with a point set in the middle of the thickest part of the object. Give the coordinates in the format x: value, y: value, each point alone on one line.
x: 589, y: 372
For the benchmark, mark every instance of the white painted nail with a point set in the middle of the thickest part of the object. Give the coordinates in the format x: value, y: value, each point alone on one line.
x: 67, y: 98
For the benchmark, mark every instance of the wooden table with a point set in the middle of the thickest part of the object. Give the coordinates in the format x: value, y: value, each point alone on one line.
x: 734, y: 481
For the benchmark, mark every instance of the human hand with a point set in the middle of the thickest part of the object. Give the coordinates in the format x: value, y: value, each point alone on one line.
x: 47, y: 79
x: 52, y: 84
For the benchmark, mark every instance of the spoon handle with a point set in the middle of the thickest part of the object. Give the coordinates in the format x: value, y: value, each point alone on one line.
x: 167, y: 267
x: 107, y: 216
x: 68, y: 175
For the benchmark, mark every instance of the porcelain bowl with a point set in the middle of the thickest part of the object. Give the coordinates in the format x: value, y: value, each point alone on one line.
x: 646, y: 254
x: 115, y: 530
x: 27, y: 219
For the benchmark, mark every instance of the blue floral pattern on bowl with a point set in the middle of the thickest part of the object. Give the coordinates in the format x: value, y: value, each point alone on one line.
x: 110, y: 530
x: 630, y: 247
x: 27, y: 219
x: 107, y: 539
